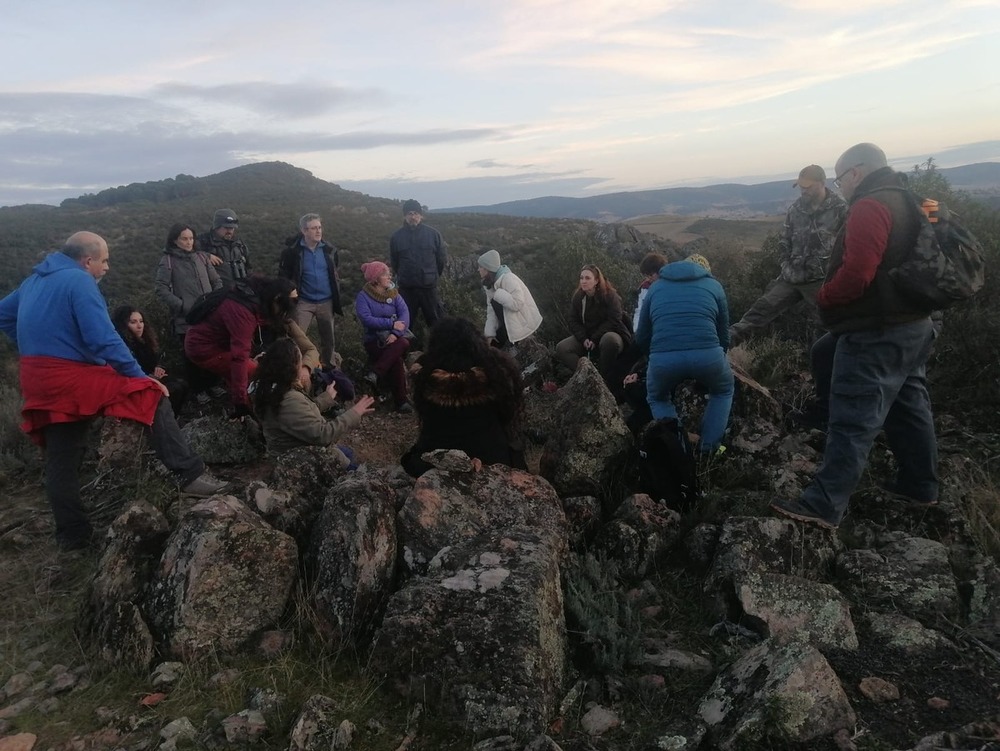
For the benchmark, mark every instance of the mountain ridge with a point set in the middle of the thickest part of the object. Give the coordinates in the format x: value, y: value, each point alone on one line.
x: 725, y: 200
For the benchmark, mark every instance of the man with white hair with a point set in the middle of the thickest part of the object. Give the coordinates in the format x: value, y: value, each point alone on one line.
x: 883, y: 342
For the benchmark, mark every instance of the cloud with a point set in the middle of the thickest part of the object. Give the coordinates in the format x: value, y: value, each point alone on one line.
x: 293, y: 100
x: 494, y: 164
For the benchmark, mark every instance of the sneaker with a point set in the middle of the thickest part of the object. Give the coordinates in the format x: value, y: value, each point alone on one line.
x: 217, y: 392
x: 798, y: 512
x: 890, y: 490
x: 205, y: 486
x: 202, y: 398
x: 405, y: 408
x: 372, y: 377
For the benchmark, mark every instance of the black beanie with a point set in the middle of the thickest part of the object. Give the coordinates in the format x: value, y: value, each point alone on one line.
x: 412, y: 205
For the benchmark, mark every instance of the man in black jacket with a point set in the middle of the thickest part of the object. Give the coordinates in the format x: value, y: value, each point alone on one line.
x: 312, y: 265
x: 417, y: 257
x: 230, y: 256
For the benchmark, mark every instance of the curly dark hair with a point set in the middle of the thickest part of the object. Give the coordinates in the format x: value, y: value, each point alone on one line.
x: 277, y: 372
x: 175, y: 231
x: 120, y: 319
x: 273, y: 297
x: 456, y: 345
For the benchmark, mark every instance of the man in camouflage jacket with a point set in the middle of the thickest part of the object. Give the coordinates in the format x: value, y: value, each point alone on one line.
x: 811, y: 226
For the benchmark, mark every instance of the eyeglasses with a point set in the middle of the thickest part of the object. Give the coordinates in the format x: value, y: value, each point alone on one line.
x: 842, y: 175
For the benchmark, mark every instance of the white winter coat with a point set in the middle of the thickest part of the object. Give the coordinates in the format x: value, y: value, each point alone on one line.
x: 520, y: 314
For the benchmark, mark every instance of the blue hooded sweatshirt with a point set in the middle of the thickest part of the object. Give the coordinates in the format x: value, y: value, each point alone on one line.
x: 59, y: 311
x: 685, y: 309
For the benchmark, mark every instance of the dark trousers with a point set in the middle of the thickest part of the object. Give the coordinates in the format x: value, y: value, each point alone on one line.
x: 387, y: 364
x: 422, y: 299
x: 821, y: 364
x: 65, y: 444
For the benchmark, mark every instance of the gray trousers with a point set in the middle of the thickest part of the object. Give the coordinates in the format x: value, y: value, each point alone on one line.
x: 322, y: 312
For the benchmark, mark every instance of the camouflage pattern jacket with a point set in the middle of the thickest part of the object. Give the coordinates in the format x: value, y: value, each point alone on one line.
x: 808, y: 238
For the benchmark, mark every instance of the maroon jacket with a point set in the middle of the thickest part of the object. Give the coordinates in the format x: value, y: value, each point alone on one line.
x: 227, y: 331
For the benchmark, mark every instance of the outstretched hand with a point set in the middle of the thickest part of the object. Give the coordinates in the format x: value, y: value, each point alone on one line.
x: 363, y: 406
x: 159, y: 385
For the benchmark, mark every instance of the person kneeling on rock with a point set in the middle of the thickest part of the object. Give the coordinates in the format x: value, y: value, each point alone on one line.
x: 289, y: 418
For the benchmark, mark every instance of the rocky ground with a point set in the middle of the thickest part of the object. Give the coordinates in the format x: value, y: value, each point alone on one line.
x: 945, y: 690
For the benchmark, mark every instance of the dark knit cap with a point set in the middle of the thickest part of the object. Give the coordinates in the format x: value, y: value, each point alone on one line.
x: 412, y: 205
x: 225, y: 218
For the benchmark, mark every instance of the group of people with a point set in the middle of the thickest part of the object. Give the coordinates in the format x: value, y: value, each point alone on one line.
x: 78, y: 362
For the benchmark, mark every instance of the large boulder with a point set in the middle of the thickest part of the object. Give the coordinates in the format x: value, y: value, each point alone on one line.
x: 224, y: 575
x: 446, y: 507
x: 787, y: 606
x: 759, y: 545
x: 293, y: 496
x: 482, y: 635
x: 589, y: 441
x: 775, y: 694
x: 111, y: 620
x: 354, y: 552
x: 640, y: 532
x: 219, y: 440
x: 911, y: 575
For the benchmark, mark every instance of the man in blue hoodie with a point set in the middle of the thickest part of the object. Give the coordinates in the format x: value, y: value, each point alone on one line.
x: 74, y: 366
x: 684, y: 328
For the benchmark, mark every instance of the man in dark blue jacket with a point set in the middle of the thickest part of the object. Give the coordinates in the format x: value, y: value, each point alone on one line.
x: 417, y: 257
x: 311, y: 264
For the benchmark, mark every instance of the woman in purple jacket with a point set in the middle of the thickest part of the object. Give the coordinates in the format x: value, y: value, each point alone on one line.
x: 386, y: 321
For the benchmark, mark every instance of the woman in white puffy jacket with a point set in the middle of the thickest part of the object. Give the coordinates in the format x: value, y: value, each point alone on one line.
x: 511, y: 313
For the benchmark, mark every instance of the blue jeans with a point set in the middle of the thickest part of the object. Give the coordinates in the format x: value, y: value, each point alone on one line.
x: 708, y: 367
x: 879, y: 382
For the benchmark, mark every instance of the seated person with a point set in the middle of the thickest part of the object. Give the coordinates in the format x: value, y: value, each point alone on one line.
x: 145, y: 347
x: 386, y: 321
x: 468, y: 396
x: 222, y: 342
x: 288, y: 417
x: 596, y: 322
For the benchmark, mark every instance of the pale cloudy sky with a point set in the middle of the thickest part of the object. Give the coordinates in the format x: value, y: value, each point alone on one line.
x: 475, y: 101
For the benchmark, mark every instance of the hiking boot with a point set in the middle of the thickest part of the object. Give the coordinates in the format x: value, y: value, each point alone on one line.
x: 813, y: 417
x: 217, y: 392
x: 405, y: 408
x: 205, y: 486
x: 800, y: 513
x: 890, y: 490
x: 202, y: 398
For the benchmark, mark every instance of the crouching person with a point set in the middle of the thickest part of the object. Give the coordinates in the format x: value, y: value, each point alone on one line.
x: 74, y: 367
x: 289, y: 417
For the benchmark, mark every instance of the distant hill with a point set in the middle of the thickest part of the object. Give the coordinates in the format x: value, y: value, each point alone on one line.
x: 730, y: 200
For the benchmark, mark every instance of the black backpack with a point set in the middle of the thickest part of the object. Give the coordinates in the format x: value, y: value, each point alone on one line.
x: 205, y: 305
x: 667, y: 469
x: 947, y: 262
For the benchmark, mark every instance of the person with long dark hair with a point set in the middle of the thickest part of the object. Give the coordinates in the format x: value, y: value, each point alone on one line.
x: 141, y: 339
x: 182, y: 276
x: 221, y: 343
x: 468, y: 396
x: 288, y: 417
x: 596, y: 323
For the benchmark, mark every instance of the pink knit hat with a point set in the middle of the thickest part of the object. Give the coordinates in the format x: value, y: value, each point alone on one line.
x: 373, y: 270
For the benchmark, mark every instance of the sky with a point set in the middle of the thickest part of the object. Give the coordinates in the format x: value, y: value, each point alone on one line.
x: 478, y: 102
